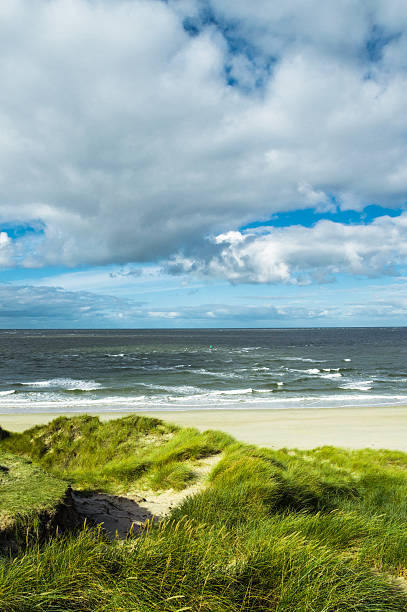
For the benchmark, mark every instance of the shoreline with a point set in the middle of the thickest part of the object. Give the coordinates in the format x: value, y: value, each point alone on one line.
x: 362, y: 427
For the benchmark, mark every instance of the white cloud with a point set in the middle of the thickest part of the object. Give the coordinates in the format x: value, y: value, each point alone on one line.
x: 121, y: 136
x: 164, y: 314
x: 300, y: 255
x: 6, y: 248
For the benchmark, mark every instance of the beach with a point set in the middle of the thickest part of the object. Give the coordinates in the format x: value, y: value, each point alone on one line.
x: 370, y: 427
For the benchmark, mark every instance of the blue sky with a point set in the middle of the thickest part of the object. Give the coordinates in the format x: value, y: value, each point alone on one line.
x: 197, y: 163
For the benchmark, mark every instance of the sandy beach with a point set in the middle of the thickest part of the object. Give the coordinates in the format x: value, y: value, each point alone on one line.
x: 373, y: 427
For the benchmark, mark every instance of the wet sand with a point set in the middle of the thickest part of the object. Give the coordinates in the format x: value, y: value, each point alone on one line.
x: 375, y: 427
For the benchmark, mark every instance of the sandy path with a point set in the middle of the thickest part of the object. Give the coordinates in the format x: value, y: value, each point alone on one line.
x: 120, y: 514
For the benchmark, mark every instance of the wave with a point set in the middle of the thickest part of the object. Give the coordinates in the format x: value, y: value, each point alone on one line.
x: 10, y: 392
x: 232, y: 399
x: 68, y: 384
x: 247, y: 349
x: 315, y: 372
x: 363, y: 385
x: 276, y: 384
x: 198, y: 392
x: 334, y: 375
x: 179, y: 389
x: 306, y: 359
x: 205, y: 372
x: 231, y: 392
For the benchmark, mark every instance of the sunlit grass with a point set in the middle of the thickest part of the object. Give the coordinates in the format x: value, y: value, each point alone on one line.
x: 119, y: 454
x: 25, y: 492
x: 288, y: 530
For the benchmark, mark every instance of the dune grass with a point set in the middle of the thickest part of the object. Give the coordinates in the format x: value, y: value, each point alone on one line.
x: 117, y: 455
x: 26, y: 492
x: 288, y: 530
x: 181, y: 565
x: 352, y: 501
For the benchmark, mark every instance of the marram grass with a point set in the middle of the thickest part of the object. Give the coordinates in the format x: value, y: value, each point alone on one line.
x: 115, y: 455
x: 26, y: 491
x: 316, y: 531
x: 182, y: 565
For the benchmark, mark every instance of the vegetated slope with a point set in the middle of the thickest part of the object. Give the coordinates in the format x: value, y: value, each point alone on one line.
x: 29, y: 499
x: 315, y: 531
x: 117, y: 455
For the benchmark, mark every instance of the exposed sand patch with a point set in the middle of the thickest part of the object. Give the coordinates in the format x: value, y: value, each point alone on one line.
x: 115, y: 513
x: 120, y: 514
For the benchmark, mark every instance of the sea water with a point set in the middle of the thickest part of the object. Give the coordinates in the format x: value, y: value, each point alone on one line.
x: 128, y: 370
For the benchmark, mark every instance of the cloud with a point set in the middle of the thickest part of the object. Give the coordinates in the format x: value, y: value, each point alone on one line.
x: 5, y: 249
x: 300, y: 255
x: 52, y: 307
x: 41, y: 306
x: 29, y: 306
x: 127, y: 134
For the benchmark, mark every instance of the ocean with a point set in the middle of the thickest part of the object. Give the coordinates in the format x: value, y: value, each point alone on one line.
x: 128, y: 370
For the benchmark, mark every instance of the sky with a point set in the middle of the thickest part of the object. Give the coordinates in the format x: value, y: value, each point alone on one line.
x: 203, y: 163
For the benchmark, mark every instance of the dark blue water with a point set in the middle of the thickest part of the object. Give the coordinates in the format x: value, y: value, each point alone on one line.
x: 201, y: 369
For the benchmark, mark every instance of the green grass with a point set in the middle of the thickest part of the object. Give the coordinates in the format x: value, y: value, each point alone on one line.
x: 184, y: 566
x: 26, y: 491
x: 117, y: 455
x: 288, y: 530
x: 351, y: 501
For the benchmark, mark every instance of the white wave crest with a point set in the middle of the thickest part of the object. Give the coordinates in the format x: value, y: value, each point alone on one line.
x: 69, y: 384
x: 246, y: 349
x: 334, y: 375
x: 205, y: 372
x: 363, y: 385
x: 176, y: 389
x: 306, y: 359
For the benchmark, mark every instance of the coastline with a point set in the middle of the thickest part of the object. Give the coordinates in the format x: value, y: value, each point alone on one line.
x: 362, y: 427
